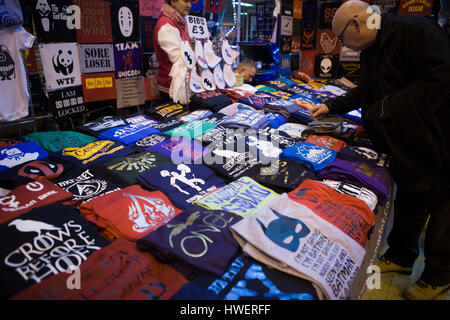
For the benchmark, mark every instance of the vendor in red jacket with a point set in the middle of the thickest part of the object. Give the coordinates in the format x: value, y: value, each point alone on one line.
x: 169, y: 31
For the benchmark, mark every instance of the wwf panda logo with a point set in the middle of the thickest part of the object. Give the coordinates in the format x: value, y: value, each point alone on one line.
x: 7, y: 65
x: 63, y: 62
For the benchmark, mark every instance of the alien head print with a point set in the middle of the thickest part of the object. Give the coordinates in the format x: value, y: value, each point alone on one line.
x: 326, y: 65
x: 125, y: 21
x: 62, y: 65
x: 12, y: 73
x: 52, y: 20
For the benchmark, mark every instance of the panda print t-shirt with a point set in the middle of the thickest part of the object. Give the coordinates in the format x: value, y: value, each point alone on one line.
x: 12, y: 73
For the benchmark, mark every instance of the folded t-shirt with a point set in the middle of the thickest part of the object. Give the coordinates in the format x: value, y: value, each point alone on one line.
x: 181, y: 150
x: 211, y: 100
x: 129, y: 134
x: 195, y: 115
x: 53, y: 141
x: 149, y: 141
x: 326, y: 142
x: 191, y: 129
x: 182, y: 183
x: 166, y: 112
x: 313, y: 156
x: 7, y: 142
x: 245, y: 119
x: 101, y: 124
x: 276, y: 120
x: 20, y: 153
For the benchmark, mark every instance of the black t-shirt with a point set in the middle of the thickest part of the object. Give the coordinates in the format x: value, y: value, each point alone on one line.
x: 51, y: 168
x: 211, y: 100
x: 94, y: 128
x: 42, y: 242
x: 149, y: 141
x: 166, y: 112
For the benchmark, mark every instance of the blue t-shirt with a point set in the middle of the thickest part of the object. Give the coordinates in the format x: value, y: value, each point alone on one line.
x: 276, y: 120
x: 313, y: 156
x: 20, y: 153
x: 129, y: 134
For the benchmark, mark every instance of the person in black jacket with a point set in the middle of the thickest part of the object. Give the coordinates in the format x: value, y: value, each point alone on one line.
x: 404, y: 96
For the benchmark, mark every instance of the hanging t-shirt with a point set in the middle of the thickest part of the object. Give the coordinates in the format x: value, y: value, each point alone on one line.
x: 246, y: 279
x: 50, y: 168
x: 288, y: 236
x: 347, y: 213
x: 282, y: 175
x: 130, y: 167
x: 149, y: 141
x: 43, y: 242
x: 313, y: 156
x: 182, y: 183
x: 88, y: 185
x: 11, y: 13
x: 376, y: 179
x: 198, y: 237
x: 166, y: 112
x: 104, y: 274
x: 30, y: 196
x: 243, y: 197
x: 326, y: 142
x: 13, y: 80
x: 129, y: 134
x: 95, y: 152
x: 131, y: 213
x: 20, y: 153
x: 181, y: 150
x: 245, y: 119
x: 54, y: 141
x: 101, y: 124
x: 191, y: 129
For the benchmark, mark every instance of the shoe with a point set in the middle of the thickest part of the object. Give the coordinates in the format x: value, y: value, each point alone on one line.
x: 387, y: 265
x: 423, y: 291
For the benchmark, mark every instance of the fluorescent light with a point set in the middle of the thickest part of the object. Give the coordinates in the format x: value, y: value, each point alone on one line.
x: 244, y: 4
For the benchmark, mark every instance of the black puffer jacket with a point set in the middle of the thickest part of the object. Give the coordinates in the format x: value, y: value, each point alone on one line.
x: 404, y: 94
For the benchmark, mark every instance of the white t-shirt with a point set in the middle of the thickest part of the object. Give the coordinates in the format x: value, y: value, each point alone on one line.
x: 13, y: 81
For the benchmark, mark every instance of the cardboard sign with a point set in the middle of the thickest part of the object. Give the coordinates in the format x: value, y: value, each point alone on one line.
x: 50, y: 17
x: 150, y: 64
x: 308, y: 41
x: 298, y: 9
x: 124, y: 21
x: 326, y: 65
x: 197, y: 27
x: 130, y: 92
x: 327, y: 42
x: 96, y: 58
x: 127, y: 60
x: 150, y: 8
x: 326, y: 13
x: 151, y: 88
x: 417, y: 7
x: 67, y: 102
x: 61, y: 65
x: 286, y: 25
x: 147, y: 29
x: 99, y: 86
x: 307, y: 62
x: 95, y: 21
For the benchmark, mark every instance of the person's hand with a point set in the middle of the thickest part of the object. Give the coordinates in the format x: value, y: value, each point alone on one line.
x: 318, y: 110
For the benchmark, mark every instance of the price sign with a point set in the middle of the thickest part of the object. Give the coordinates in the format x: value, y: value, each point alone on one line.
x: 197, y: 27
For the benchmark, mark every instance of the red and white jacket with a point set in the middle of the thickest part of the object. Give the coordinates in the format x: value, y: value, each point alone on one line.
x: 173, y: 75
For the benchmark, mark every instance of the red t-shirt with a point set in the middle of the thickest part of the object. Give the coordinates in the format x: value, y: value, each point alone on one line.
x: 326, y: 142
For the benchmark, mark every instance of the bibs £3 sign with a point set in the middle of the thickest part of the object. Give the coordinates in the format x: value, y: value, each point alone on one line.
x: 197, y: 27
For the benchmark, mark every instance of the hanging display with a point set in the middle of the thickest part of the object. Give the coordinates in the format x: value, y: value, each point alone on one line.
x: 127, y: 60
x: 297, y: 9
x: 213, y: 5
x: 286, y: 25
x: 200, y: 55
x: 218, y: 77
x: 99, y: 86
x: 195, y: 82
x: 208, y: 80
x: 307, y: 62
x: 150, y: 64
x: 326, y: 65
x: 124, y: 21
x: 308, y: 41
x: 147, y: 29
x: 326, y: 13
x: 95, y: 21
x: 328, y: 42
x: 96, y: 58
x: 229, y: 76
x: 150, y: 8
x: 187, y: 55
x: 67, y: 102
x: 211, y: 58
x: 418, y: 7
x: 229, y: 55
x: 130, y: 92
x: 62, y: 65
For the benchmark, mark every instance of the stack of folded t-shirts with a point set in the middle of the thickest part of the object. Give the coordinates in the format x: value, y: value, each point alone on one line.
x: 129, y: 213
x: 323, y: 127
x: 211, y: 100
x: 245, y: 119
x: 128, y: 134
x: 53, y: 141
x: 235, y: 107
x: 293, y: 129
x: 258, y: 101
x: 20, y: 153
x: 313, y: 156
x: 276, y: 119
x: 95, y: 127
x: 326, y: 142
x: 195, y: 115
x: 167, y: 112
x: 191, y: 129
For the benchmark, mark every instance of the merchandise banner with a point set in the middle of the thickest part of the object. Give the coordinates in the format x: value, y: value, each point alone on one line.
x: 96, y: 58
x: 130, y: 92
x: 326, y: 13
x: 307, y: 62
x: 151, y: 88
x: 147, y: 29
x: 50, y: 19
x: 61, y: 65
x: 150, y: 64
x: 286, y: 25
x: 127, y: 60
x: 417, y: 7
x: 67, y: 102
x: 308, y: 41
x: 326, y: 65
x: 99, y: 86
x: 298, y: 9
x: 327, y: 42
x: 151, y: 8
x: 95, y: 21
x: 124, y: 21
